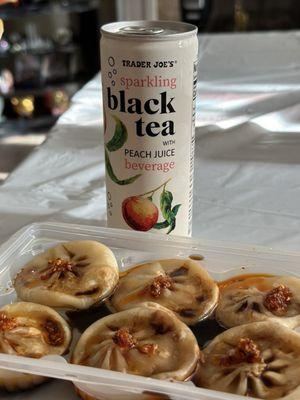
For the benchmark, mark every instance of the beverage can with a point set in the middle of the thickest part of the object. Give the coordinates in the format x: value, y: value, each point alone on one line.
x: 149, y: 75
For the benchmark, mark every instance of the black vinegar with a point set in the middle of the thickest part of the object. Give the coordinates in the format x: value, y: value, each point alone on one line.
x: 204, y: 331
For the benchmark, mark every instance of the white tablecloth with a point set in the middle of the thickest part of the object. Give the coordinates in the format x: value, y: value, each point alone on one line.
x: 247, y: 160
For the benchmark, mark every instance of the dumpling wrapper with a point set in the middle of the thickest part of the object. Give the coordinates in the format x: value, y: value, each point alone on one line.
x: 72, y: 275
x: 147, y: 340
x: 261, y: 359
x: 182, y: 286
x: 30, y: 330
x: 259, y: 298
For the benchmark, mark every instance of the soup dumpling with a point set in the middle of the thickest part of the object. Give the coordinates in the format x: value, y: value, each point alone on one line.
x: 30, y: 330
x: 260, y: 359
x: 73, y: 275
x: 147, y: 340
x: 183, y: 286
x: 259, y: 298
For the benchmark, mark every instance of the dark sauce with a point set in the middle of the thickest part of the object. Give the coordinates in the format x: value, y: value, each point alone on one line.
x: 82, y: 319
x: 196, y: 257
x: 206, y: 330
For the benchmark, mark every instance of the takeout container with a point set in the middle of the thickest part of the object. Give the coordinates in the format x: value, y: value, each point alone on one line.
x: 220, y: 259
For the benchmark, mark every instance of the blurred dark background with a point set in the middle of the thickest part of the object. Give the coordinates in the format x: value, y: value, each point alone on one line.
x: 241, y: 15
x: 50, y: 49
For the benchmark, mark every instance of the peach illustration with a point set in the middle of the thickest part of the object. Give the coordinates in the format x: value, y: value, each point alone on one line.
x: 140, y: 213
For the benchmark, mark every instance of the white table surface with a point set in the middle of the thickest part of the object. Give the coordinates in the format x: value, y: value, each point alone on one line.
x: 247, y: 159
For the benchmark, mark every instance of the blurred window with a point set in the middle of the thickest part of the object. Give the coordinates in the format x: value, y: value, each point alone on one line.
x: 241, y: 15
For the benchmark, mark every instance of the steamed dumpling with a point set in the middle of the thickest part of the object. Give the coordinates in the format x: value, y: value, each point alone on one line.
x: 261, y: 360
x: 259, y: 298
x: 147, y: 340
x: 30, y: 330
x: 182, y: 286
x: 72, y: 275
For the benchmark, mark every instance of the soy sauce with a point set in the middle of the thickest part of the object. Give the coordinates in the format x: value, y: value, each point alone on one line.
x: 206, y: 330
x: 82, y: 319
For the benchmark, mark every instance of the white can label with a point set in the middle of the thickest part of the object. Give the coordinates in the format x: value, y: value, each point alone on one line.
x: 149, y: 99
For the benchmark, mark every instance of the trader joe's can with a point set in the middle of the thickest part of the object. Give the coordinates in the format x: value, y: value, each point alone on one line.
x: 149, y: 73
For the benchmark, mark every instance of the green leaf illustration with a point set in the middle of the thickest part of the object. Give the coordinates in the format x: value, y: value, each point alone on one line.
x: 119, y: 138
x: 166, y: 224
x: 167, y: 211
x: 175, y: 209
x: 112, y: 175
x: 166, y: 199
x: 172, y: 222
x: 161, y: 225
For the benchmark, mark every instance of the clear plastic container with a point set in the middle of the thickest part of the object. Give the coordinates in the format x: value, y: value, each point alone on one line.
x: 220, y: 259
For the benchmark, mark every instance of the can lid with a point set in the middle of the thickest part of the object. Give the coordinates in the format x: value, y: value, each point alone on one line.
x: 149, y: 30
x: 141, y: 30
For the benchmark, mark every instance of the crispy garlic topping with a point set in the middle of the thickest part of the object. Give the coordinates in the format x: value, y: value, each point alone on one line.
x: 124, y: 339
x: 6, y: 323
x: 58, y: 265
x: 148, y: 348
x: 158, y: 284
x: 278, y: 299
x: 54, y: 335
x: 245, y: 351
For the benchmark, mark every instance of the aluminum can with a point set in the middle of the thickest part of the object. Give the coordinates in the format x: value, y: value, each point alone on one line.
x: 149, y: 76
